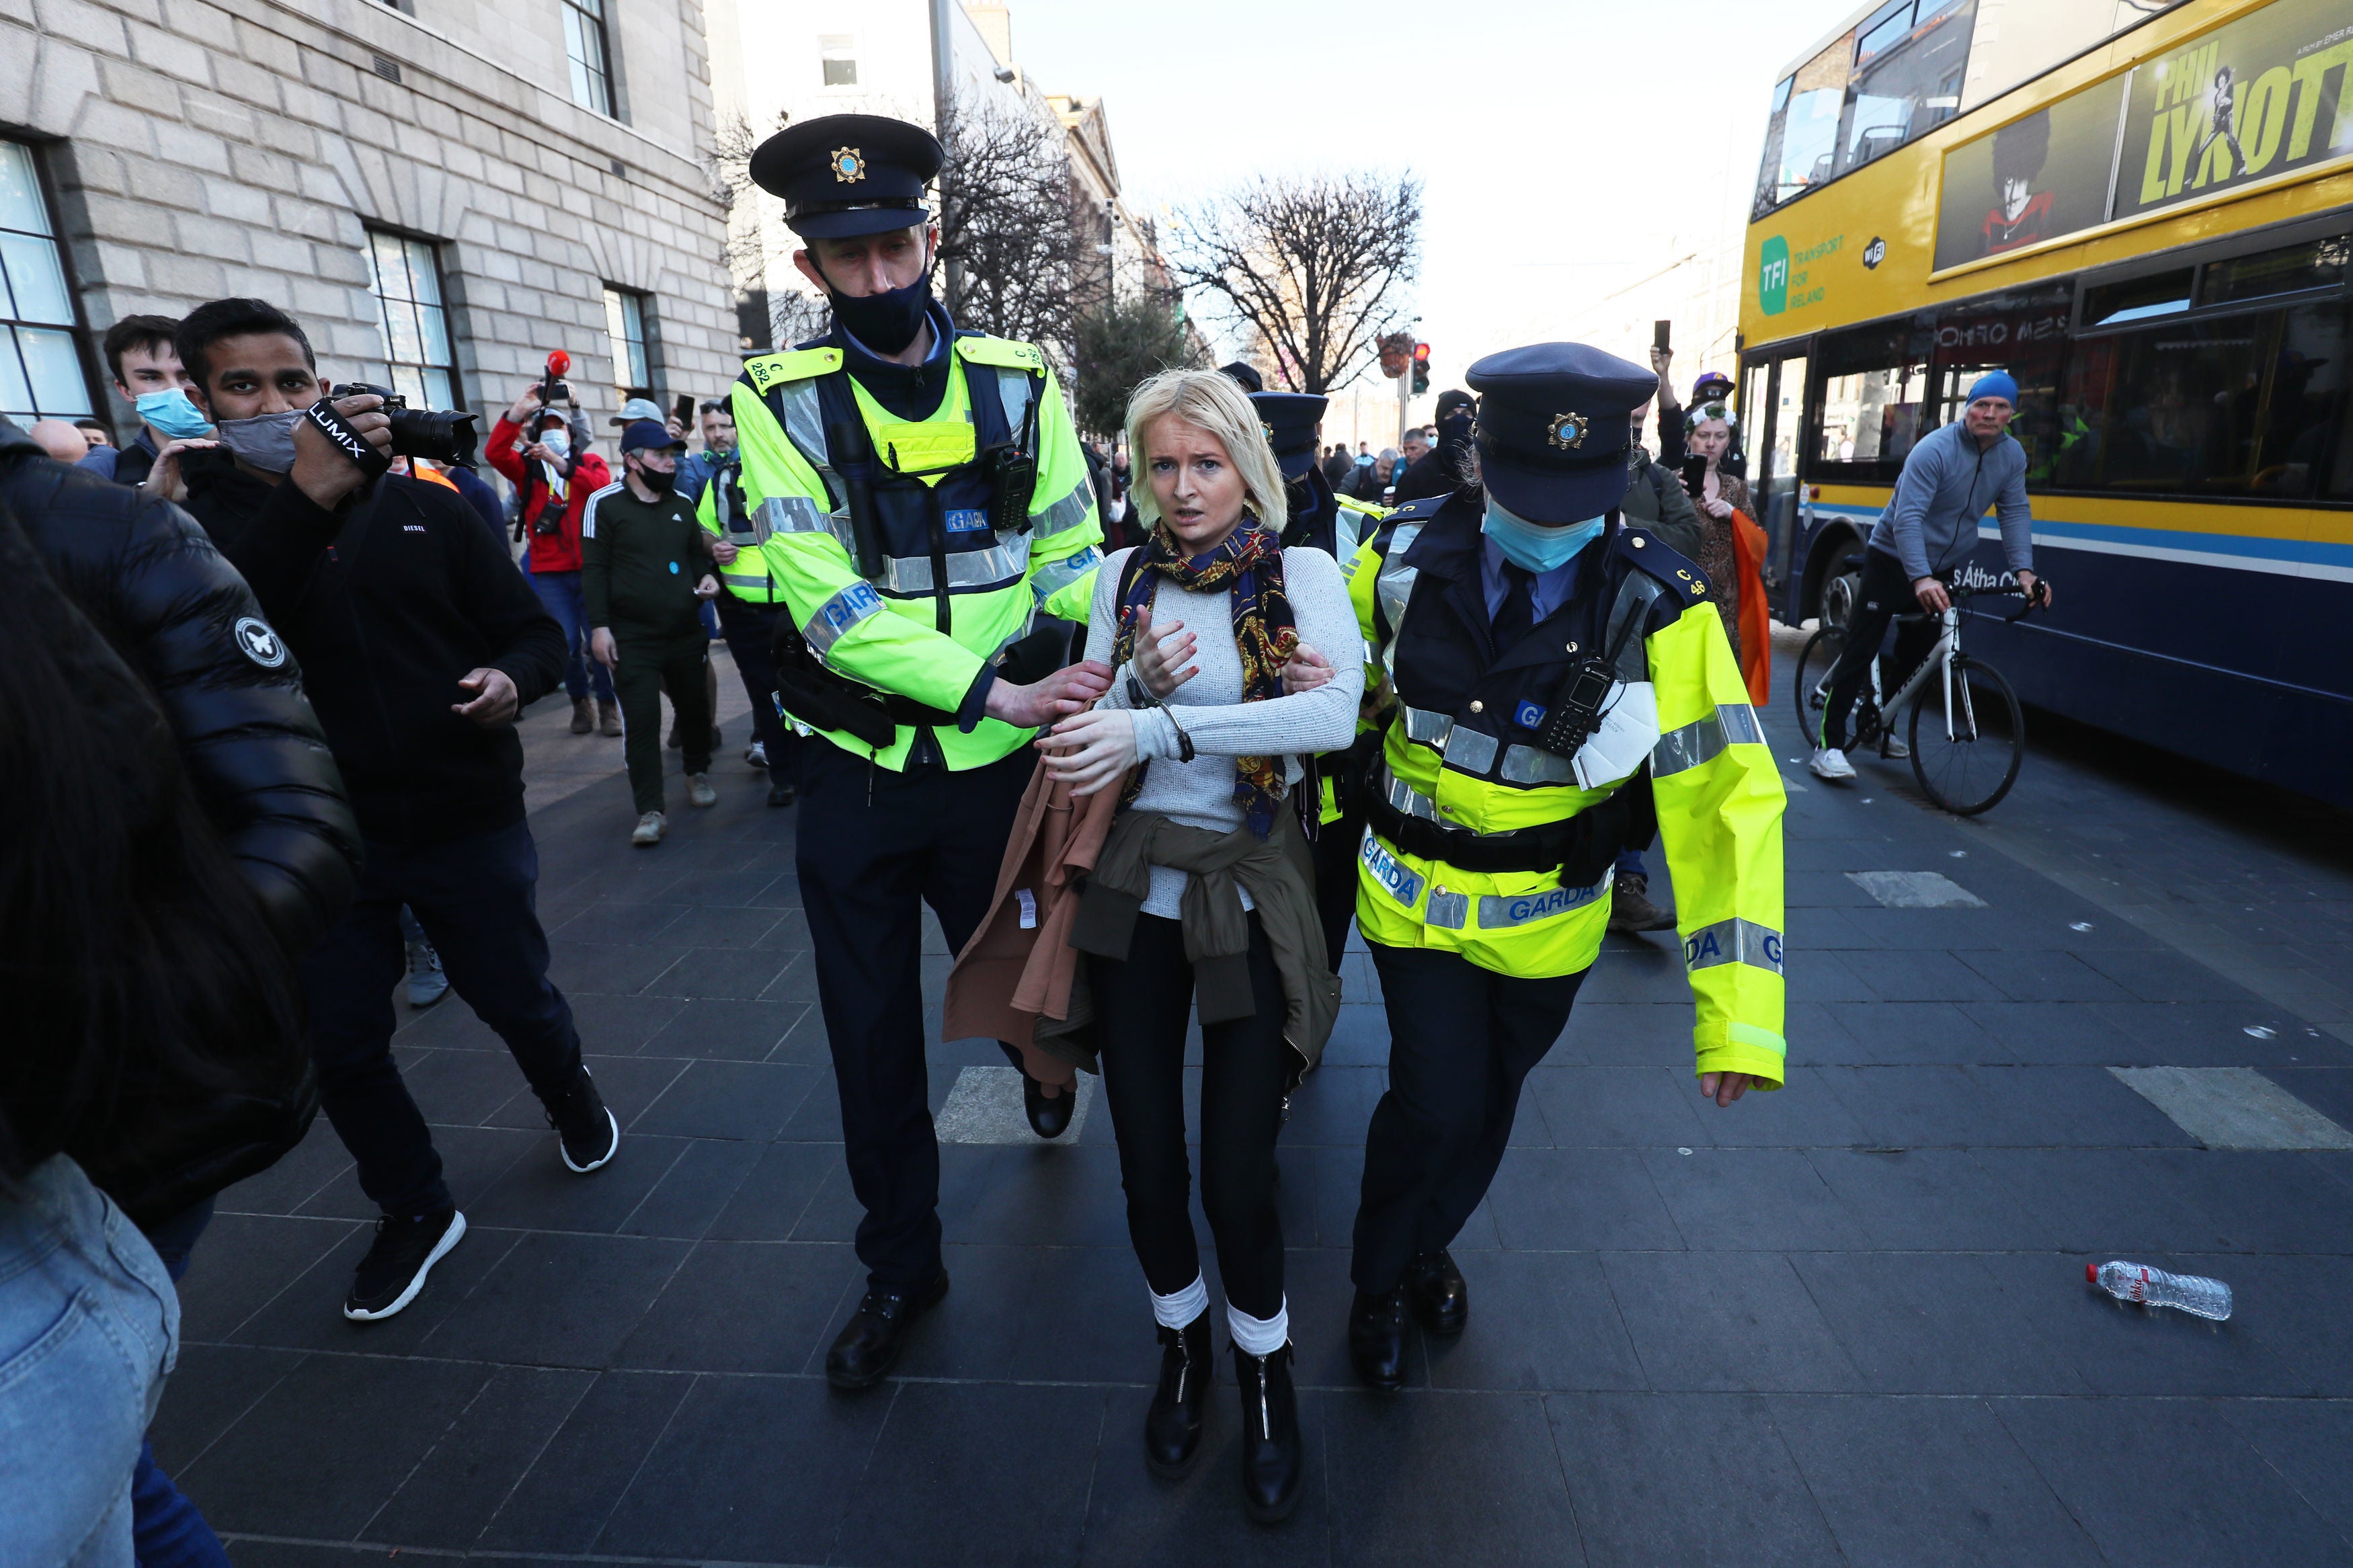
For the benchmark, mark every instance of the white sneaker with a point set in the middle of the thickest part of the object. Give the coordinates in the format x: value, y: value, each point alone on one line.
x: 756, y: 753
x: 699, y: 791
x: 1829, y: 763
x: 650, y: 829
x: 1893, y: 748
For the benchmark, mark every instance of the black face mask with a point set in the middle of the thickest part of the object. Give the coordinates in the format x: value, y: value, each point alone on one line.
x: 885, y: 322
x: 656, y: 480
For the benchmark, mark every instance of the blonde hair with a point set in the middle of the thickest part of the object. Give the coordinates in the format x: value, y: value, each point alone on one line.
x: 1209, y: 400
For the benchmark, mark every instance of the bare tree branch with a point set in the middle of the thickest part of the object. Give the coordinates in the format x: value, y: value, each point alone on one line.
x: 1311, y: 269
x: 1008, y: 219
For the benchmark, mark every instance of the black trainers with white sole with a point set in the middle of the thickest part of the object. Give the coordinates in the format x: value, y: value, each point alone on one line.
x: 405, y: 1252
x: 589, y: 1132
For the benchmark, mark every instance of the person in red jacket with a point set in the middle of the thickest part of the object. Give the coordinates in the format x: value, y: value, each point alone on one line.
x: 550, y: 462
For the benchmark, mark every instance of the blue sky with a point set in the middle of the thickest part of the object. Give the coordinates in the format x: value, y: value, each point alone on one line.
x: 1565, y: 147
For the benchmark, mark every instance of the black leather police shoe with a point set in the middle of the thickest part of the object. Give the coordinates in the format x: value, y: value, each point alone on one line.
x: 1048, y: 1118
x: 869, y: 1342
x: 1270, y: 1463
x: 1434, y: 1289
x: 1376, y: 1339
x: 783, y: 795
x: 1172, y: 1427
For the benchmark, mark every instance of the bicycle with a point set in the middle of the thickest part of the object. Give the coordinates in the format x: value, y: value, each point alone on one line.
x: 1966, y: 763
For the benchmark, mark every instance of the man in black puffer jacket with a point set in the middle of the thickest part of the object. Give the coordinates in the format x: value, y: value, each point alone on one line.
x: 421, y: 643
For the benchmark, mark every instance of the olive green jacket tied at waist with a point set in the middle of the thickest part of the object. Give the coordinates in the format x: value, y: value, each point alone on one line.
x: 1279, y: 874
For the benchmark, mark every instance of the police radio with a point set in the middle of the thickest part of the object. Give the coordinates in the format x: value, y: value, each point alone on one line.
x: 1576, y: 709
x: 1013, y: 477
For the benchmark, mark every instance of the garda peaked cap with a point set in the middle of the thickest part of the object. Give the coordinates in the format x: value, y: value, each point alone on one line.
x: 846, y: 174
x: 1554, y: 422
x: 1289, y: 419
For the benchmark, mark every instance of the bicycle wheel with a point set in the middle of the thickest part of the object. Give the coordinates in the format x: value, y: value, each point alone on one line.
x: 1968, y: 765
x: 1814, y: 666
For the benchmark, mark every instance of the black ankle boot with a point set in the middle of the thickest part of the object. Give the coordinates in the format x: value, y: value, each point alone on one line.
x: 1172, y: 1427
x: 1271, y: 1461
x: 1048, y: 1118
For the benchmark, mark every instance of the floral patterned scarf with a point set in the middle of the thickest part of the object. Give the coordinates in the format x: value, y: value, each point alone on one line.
x: 1249, y: 565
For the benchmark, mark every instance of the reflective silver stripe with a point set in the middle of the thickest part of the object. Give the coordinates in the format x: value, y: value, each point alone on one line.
x: 804, y: 425
x: 838, y: 614
x: 1535, y: 765
x: 1448, y: 911
x: 1056, y: 575
x: 798, y: 514
x: 1068, y: 512
x: 1734, y: 941
x: 1500, y: 911
x: 1470, y: 750
x: 1013, y: 393
x: 1403, y: 884
x: 1406, y: 800
x: 909, y: 577
x: 1393, y: 589
x: 736, y: 580
x: 1428, y: 727
x: 1732, y: 724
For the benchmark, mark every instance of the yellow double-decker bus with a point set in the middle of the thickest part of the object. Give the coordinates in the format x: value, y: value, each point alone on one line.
x: 2143, y: 210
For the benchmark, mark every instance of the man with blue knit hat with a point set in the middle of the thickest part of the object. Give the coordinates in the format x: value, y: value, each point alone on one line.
x: 1539, y: 654
x: 1930, y: 527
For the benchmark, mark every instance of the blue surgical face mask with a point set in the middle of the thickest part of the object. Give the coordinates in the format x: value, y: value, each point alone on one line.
x: 1533, y: 547
x: 172, y: 414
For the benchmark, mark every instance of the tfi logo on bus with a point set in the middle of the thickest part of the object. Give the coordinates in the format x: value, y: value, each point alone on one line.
x: 1773, y: 276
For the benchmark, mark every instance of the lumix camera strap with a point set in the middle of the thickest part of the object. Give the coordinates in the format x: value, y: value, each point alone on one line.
x: 350, y: 442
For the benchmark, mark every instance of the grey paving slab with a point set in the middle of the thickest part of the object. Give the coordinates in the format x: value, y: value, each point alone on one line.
x: 1463, y: 1477
x: 1686, y: 1478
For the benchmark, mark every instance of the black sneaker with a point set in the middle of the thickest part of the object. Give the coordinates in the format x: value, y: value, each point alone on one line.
x: 393, y: 1271
x: 587, y: 1132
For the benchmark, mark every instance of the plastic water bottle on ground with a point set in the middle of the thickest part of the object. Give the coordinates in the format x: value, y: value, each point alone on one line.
x: 2191, y: 1293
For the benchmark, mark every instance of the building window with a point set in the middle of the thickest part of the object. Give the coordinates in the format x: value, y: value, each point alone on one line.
x: 592, y: 59
x: 839, y: 53
x: 40, y: 355
x: 624, y: 323
x: 407, y: 281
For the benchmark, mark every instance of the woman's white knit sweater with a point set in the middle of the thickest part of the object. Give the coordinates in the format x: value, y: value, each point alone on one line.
x: 1201, y: 793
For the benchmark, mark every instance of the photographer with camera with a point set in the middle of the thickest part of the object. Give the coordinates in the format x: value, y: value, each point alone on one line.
x: 545, y: 454
x: 419, y: 645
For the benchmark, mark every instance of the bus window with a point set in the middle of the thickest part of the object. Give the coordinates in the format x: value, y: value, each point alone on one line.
x: 1908, y: 70
x: 1801, y: 141
x: 2319, y: 265
x: 1774, y: 486
x: 1875, y: 398
x: 2244, y: 406
x: 2137, y: 299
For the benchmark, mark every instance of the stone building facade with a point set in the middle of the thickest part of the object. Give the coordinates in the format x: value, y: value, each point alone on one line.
x: 455, y: 181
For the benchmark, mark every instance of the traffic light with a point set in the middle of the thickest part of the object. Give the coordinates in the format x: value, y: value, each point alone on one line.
x: 1420, y: 369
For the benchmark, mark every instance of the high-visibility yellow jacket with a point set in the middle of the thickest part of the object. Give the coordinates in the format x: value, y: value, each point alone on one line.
x: 1459, y: 753
x: 929, y: 479
x: 723, y: 516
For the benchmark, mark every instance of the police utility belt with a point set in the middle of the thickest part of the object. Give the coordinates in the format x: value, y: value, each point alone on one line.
x: 1582, y: 847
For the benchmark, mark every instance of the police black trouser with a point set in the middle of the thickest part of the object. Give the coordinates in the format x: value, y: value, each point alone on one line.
x: 475, y: 897
x: 1886, y: 593
x: 648, y: 663
x: 1335, y: 847
x: 1461, y: 1041
x: 874, y: 845
x: 748, y: 629
x: 1142, y: 1006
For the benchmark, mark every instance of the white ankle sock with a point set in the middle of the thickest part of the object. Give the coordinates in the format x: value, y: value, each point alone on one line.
x: 1175, y: 1311
x: 1258, y: 1336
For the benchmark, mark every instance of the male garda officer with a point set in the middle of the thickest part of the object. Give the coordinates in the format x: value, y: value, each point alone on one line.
x: 916, y: 496
x: 749, y: 603
x: 1337, y: 526
x: 1538, y: 653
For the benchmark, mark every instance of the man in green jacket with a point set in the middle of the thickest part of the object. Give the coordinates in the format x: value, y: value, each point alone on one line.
x: 644, y: 575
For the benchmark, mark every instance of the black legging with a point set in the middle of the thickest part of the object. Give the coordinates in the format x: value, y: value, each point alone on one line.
x: 1142, y: 1003
x: 1885, y: 593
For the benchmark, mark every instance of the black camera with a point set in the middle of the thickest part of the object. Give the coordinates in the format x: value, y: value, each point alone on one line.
x: 437, y: 435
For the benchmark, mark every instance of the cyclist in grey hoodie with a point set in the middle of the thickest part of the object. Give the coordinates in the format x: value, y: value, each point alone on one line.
x: 1928, y: 529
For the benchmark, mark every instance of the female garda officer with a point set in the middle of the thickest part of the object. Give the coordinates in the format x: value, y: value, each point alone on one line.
x: 1539, y: 653
x: 917, y: 497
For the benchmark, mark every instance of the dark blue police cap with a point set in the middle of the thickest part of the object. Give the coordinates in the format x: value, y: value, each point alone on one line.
x: 650, y: 436
x: 1290, y: 418
x: 1555, y: 421
x: 847, y: 175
